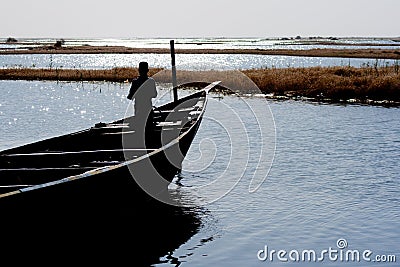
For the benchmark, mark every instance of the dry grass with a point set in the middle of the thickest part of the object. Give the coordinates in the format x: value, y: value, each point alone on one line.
x: 333, y: 83
x: 55, y: 74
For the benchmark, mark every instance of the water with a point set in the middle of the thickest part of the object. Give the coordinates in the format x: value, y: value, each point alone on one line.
x: 335, y: 172
x: 335, y: 175
x: 184, y: 61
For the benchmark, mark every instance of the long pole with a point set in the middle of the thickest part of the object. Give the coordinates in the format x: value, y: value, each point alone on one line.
x: 174, y: 83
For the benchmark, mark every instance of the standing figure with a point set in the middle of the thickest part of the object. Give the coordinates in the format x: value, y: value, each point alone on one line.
x: 142, y: 90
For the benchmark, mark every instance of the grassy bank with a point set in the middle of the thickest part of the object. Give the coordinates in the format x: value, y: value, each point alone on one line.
x: 369, y: 84
x: 57, y: 74
x: 336, y: 84
x: 379, y: 53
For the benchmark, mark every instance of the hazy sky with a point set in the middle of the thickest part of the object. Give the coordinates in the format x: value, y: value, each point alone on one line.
x: 200, y: 18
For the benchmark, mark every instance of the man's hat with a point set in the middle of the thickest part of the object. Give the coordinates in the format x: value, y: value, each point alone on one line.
x: 143, y: 66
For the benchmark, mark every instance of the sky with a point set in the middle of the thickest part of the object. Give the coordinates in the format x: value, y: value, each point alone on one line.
x: 199, y: 18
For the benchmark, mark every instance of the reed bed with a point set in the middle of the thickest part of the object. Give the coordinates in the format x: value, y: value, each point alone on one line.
x: 368, y: 83
x: 331, y: 83
x: 59, y: 74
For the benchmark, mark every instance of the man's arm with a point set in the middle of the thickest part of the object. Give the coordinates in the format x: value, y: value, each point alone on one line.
x: 132, y: 90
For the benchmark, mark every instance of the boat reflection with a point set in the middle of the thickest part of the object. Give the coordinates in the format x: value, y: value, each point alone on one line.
x: 137, y: 236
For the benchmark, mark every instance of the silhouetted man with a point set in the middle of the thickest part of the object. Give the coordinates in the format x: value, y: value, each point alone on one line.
x: 142, y: 90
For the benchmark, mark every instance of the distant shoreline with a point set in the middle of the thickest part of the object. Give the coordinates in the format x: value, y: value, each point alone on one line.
x: 374, y: 53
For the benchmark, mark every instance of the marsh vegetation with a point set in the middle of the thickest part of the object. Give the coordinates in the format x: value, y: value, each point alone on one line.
x: 370, y: 83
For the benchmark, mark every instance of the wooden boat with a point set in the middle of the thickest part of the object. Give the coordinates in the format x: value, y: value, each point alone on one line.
x: 103, y: 167
x: 99, y: 194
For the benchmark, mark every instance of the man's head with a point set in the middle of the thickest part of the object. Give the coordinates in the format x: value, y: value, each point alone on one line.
x: 143, y: 67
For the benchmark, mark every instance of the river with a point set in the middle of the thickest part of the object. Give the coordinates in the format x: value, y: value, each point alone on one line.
x: 293, y: 176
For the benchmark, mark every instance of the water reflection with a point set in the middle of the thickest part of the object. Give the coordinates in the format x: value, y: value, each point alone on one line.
x: 139, y: 236
x: 202, y: 61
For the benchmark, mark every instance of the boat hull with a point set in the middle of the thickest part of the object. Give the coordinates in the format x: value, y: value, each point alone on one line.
x: 140, y: 176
